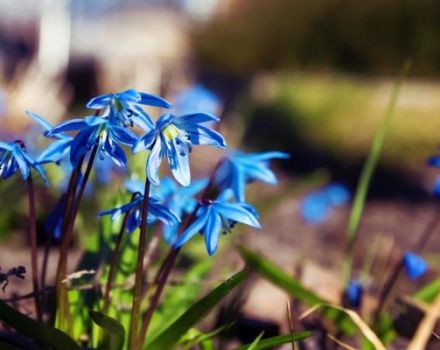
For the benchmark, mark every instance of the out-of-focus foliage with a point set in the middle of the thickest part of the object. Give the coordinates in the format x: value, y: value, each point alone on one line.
x: 361, y: 36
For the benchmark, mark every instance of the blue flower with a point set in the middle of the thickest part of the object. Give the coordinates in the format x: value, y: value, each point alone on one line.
x: 238, y: 169
x: 180, y: 200
x: 56, y: 150
x: 13, y: 157
x: 218, y: 217
x: 354, y: 293
x: 415, y: 265
x: 126, y: 107
x: 156, y: 211
x: 173, y: 137
x: 318, y: 205
x: 196, y: 99
x: 96, y: 130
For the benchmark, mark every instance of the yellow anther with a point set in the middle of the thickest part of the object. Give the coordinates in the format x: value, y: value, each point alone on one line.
x: 171, y: 132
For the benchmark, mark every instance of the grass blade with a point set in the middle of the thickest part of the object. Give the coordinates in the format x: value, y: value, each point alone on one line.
x: 270, y: 343
x: 367, y: 173
x: 31, y: 328
x: 277, y: 276
x: 195, y: 313
x: 428, y: 292
x: 255, y: 342
x: 114, y: 332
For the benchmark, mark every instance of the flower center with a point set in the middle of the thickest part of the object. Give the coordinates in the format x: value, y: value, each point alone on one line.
x: 171, y: 132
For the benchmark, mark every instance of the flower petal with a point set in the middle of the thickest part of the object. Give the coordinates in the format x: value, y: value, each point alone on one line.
x: 69, y: 125
x: 194, y: 228
x: 195, y: 118
x: 153, y: 100
x: 212, y: 232
x: 235, y: 212
x: 100, y: 102
x: 153, y: 162
x: 145, y: 141
x: 201, y: 135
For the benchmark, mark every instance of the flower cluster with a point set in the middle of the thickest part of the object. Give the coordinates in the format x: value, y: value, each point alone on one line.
x: 119, y: 122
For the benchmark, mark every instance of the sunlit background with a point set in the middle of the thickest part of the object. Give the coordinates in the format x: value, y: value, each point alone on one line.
x: 311, y: 78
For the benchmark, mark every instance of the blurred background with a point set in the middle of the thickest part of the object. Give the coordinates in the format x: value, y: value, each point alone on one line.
x: 312, y: 78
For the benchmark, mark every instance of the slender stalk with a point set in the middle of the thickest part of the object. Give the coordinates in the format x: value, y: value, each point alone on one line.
x: 67, y: 235
x: 133, y: 342
x: 34, y: 247
x: 167, y: 265
x: 114, y: 261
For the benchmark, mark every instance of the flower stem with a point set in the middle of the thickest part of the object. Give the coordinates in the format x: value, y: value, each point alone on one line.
x: 72, y: 208
x: 133, y: 342
x: 34, y: 248
x: 167, y: 265
x: 114, y: 261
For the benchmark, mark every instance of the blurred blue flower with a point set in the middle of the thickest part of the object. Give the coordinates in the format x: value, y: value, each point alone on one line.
x: 56, y: 150
x: 173, y: 137
x: 54, y: 221
x: 156, y: 211
x: 238, y: 168
x: 354, y: 293
x: 180, y: 200
x: 126, y: 107
x: 13, y: 157
x: 195, y: 99
x: 218, y: 217
x: 415, y: 265
x: 318, y: 205
x: 98, y: 130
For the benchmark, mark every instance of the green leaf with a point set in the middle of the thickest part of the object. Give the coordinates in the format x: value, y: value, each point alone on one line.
x: 195, y: 313
x: 254, y: 344
x: 428, y: 292
x: 277, y: 276
x: 115, y: 333
x: 31, y: 328
x: 367, y: 174
x: 270, y: 343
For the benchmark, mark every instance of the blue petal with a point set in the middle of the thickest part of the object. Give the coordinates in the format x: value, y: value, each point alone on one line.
x: 212, y: 232
x: 80, y: 145
x: 179, y: 163
x: 115, y: 152
x: 40, y: 120
x: 195, y: 118
x: 6, y: 146
x: 135, y: 186
x: 94, y: 120
x: 201, y: 135
x: 55, y: 151
x: 153, y: 100
x: 123, y: 135
x: 235, y: 212
x: 415, y: 265
x: 142, y: 119
x: 69, y: 125
x: 354, y: 293
x: 100, y: 102
x: 145, y: 141
x: 270, y: 155
x: 153, y: 163
x: 130, y: 95
x: 337, y: 194
x: 194, y: 228
x: 238, y: 183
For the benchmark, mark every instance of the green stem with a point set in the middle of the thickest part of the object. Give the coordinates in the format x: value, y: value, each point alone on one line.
x: 34, y: 247
x: 139, y: 280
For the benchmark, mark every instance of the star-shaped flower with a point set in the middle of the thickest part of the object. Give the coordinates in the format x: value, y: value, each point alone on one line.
x: 173, y: 138
x: 238, y: 169
x: 218, y: 217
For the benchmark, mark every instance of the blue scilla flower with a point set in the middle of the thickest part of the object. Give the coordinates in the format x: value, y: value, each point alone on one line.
x: 415, y: 265
x: 156, y: 211
x: 318, y: 205
x: 238, y: 169
x: 181, y: 200
x: 218, y: 217
x: 98, y: 130
x: 13, y: 157
x: 173, y: 137
x: 195, y: 99
x: 56, y: 150
x: 126, y: 107
x: 354, y: 293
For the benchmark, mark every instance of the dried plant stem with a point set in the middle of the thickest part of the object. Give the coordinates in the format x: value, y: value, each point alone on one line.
x: 133, y: 341
x: 34, y: 247
x: 73, y: 203
x: 114, y: 261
